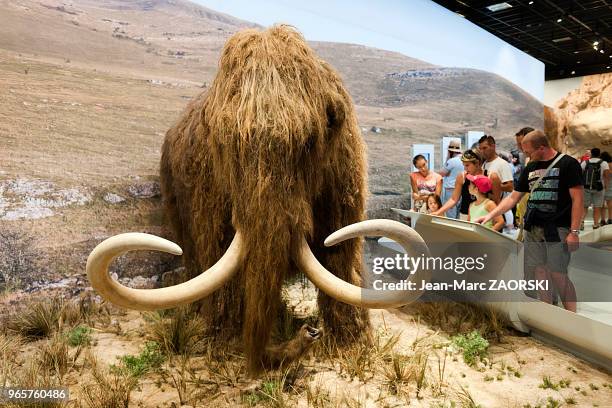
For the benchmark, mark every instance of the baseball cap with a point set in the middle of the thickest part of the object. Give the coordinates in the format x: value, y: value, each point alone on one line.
x: 454, y: 146
x: 482, y: 183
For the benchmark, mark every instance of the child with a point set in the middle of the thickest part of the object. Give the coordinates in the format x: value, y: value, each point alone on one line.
x: 480, y: 187
x: 434, y: 203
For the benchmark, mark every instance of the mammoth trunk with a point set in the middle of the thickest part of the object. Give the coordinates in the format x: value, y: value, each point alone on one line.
x: 272, y: 217
x: 264, y: 277
x: 271, y: 200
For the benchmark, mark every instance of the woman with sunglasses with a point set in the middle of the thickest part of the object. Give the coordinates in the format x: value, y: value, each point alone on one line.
x: 472, y: 163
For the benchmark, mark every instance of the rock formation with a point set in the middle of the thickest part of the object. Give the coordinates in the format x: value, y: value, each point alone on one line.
x: 583, y: 119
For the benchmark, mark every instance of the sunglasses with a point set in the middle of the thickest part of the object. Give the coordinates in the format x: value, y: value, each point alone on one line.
x: 471, y: 156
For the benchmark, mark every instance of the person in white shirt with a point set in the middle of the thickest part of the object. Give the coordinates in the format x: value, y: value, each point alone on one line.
x: 595, y: 172
x: 452, y: 167
x: 495, y: 164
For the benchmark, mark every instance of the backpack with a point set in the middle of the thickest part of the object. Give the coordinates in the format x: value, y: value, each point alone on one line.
x: 592, y: 176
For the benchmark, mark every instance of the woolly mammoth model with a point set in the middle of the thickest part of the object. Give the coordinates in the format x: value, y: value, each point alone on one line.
x: 258, y: 171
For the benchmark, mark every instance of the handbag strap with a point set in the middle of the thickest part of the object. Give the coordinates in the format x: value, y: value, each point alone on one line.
x: 550, y: 166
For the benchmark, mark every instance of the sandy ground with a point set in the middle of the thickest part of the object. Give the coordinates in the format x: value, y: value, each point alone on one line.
x: 512, y: 375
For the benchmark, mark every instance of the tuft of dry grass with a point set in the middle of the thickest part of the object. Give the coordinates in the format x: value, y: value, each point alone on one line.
x: 419, y: 363
x: 226, y: 372
x: 279, y: 389
x: 41, y: 319
x: 438, y: 387
x: 180, y: 380
x: 317, y: 396
x: 107, y: 389
x: 178, y: 332
x: 37, y: 321
x: 55, y: 355
x: 459, y: 318
x: 352, y: 401
x: 465, y: 398
x: 34, y: 375
x: 191, y: 387
x: 9, y: 345
x: 359, y: 360
x: 398, y: 374
x: 9, y: 348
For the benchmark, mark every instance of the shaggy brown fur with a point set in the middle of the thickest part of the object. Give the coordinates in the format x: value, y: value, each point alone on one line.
x: 273, y: 149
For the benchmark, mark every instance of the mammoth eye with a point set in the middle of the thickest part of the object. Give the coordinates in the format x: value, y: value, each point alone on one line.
x: 332, y: 120
x: 336, y: 115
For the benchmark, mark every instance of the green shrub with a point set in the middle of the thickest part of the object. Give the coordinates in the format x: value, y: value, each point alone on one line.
x: 473, y: 345
x: 79, y: 336
x: 151, y: 357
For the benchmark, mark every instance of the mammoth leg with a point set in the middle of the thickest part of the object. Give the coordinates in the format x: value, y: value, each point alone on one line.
x: 169, y: 190
x: 344, y: 323
x: 212, y: 233
x: 222, y: 310
x: 339, y: 205
x: 199, y: 215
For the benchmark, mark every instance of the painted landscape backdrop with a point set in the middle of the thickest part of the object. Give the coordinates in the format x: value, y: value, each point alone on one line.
x: 87, y: 91
x: 89, y: 88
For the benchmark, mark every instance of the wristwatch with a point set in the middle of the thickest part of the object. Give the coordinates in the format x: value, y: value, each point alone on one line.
x: 575, y: 231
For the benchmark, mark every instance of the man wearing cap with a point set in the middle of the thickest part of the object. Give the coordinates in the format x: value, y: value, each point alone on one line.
x: 452, y: 167
x: 554, y: 212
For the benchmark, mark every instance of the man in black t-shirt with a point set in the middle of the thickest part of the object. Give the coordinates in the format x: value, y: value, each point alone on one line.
x: 553, y: 216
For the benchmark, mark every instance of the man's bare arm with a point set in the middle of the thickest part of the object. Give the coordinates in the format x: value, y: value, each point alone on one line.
x: 505, y: 205
x: 577, y: 195
x: 454, y: 198
x: 507, y: 186
x: 496, y: 189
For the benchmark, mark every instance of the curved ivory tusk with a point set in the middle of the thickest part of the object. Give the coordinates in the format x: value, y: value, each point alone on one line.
x: 345, y: 292
x: 163, y: 298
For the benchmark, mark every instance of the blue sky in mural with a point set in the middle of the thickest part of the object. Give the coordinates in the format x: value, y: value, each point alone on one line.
x: 417, y: 28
